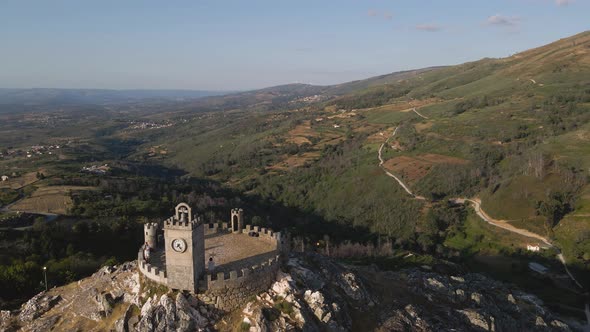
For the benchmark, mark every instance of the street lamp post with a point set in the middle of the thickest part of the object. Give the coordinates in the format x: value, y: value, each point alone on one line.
x: 45, y: 274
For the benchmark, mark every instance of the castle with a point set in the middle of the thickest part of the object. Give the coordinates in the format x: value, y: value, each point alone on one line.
x: 246, y: 257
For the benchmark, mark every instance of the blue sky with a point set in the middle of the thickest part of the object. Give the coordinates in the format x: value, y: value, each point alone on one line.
x: 231, y: 45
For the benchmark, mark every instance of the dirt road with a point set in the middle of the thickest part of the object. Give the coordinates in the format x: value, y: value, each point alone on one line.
x: 401, y: 183
x: 415, y: 111
x: 476, y: 204
x: 500, y: 223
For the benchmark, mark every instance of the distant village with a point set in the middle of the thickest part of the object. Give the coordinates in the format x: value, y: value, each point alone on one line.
x: 140, y: 125
x: 35, y: 150
x: 309, y: 99
x: 96, y: 169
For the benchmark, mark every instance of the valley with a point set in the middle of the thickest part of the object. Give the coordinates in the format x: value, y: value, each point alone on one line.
x: 463, y: 164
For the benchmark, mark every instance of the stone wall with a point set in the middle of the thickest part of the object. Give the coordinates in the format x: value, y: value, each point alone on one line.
x: 216, y: 228
x: 150, y: 234
x: 228, y: 291
x: 265, y: 234
x: 149, y: 271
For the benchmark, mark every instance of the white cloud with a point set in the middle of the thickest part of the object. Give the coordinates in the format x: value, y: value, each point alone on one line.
x: 563, y: 3
x: 429, y: 27
x: 503, y: 20
x: 378, y: 13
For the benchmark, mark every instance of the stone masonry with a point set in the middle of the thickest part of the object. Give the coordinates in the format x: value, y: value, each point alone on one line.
x: 181, y: 263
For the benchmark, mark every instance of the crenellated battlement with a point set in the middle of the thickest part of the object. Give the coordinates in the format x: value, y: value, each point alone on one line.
x: 213, y: 228
x: 149, y: 271
x: 249, y: 256
x: 262, y: 231
x: 235, y: 278
x: 150, y: 233
x: 173, y: 223
x: 152, y: 226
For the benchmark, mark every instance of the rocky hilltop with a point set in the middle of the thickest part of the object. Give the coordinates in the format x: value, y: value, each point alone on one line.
x: 311, y: 293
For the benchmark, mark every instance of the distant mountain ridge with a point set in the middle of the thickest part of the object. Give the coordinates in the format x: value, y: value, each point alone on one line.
x: 216, y: 99
x: 289, y: 95
x: 54, y: 96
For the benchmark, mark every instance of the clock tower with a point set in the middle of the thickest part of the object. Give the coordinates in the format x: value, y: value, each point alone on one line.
x: 184, y: 239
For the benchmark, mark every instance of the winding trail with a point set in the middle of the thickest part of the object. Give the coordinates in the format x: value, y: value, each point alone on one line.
x: 415, y: 111
x: 401, y: 183
x: 476, y: 204
x: 499, y: 223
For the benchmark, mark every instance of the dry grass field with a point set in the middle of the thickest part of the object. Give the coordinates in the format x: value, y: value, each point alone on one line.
x: 54, y: 199
x: 21, y: 181
x: 380, y: 136
x: 295, y: 161
x: 300, y: 134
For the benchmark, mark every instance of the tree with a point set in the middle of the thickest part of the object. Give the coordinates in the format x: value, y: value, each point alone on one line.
x: 554, y: 208
x: 257, y: 221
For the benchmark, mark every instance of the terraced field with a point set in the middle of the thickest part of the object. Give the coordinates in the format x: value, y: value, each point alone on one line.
x: 49, y: 199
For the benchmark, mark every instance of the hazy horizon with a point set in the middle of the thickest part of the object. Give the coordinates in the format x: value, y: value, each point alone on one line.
x: 237, y: 46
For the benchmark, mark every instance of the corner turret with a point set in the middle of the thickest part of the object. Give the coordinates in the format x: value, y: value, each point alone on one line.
x: 150, y: 231
x: 237, y: 220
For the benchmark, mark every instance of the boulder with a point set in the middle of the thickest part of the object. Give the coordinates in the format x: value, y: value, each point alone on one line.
x: 477, y: 320
x: 37, y: 306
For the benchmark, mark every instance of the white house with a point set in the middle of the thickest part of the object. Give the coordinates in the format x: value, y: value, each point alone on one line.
x: 533, y: 248
x: 4, y: 178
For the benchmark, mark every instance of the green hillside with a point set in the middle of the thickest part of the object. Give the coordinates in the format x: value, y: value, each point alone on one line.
x: 323, y: 160
x: 512, y: 131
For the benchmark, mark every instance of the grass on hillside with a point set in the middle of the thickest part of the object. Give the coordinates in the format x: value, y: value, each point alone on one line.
x: 21, y: 181
x: 387, y: 116
x: 479, y: 237
x: 48, y: 199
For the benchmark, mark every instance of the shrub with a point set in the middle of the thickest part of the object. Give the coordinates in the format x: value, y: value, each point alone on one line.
x: 271, y: 314
x: 285, y: 307
x: 245, y: 326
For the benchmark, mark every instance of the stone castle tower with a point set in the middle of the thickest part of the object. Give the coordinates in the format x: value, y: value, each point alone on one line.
x: 184, y: 238
x: 237, y: 220
x: 150, y: 231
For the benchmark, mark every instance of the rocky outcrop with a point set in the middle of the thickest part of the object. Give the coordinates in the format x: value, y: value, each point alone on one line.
x: 328, y: 296
x: 93, y: 298
x: 468, y: 302
x: 168, y: 314
x: 311, y: 293
x: 37, y: 306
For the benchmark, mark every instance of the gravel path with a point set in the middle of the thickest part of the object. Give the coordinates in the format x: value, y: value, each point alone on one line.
x: 401, y: 183
x: 476, y: 204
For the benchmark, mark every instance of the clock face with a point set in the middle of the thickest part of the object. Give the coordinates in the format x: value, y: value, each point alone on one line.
x: 179, y: 245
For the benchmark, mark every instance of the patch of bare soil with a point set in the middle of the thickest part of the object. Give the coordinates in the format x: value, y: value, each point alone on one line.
x: 413, y: 169
x: 51, y: 199
x: 300, y: 134
x: 295, y: 161
x: 420, y: 127
x: 380, y: 136
x: 21, y: 181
